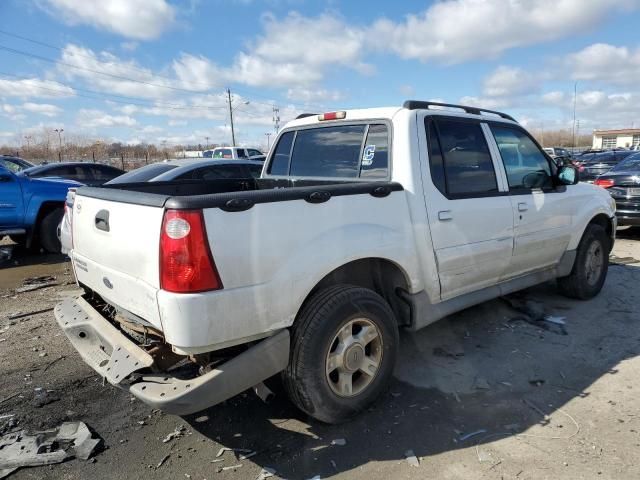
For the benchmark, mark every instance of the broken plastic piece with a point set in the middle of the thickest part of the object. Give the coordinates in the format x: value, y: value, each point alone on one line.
x: 411, y: 458
x: 71, y: 439
x: 472, y: 434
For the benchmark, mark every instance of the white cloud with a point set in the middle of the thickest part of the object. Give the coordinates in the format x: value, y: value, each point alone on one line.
x: 458, y: 30
x: 177, y: 123
x: 34, y: 88
x: 407, y: 90
x: 129, y: 46
x: 510, y: 81
x: 45, y: 109
x: 311, y: 95
x: 140, y: 19
x: 89, y: 118
x: 605, y: 63
x: 492, y: 103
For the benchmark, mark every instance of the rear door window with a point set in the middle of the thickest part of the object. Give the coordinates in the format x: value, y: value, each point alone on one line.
x: 223, y: 153
x: 280, y: 160
x: 469, y: 170
x: 241, y: 153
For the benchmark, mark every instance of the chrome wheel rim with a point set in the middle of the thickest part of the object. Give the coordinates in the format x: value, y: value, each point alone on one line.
x: 594, y: 263
x: 354, y: 357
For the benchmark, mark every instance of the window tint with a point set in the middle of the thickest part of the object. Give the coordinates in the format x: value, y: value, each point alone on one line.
x: 375, y: 155
x: 143, y: 174
x: 468, y: 166
x: 215, y: 172
x: 223, y: 153
x: 280, y: 160
x: 526, y: 165
x: 11, y: 166
x: 253, y: 152
x: 327, y: 152
x: 241, y: 153
x: 255, y: 170
x: 436, y: 164
x: 104, y: 173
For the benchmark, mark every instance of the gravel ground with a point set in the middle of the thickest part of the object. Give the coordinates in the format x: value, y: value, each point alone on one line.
x: 542, y: 400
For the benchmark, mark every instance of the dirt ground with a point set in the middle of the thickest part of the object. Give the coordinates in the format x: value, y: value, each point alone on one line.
x: 543, y: 400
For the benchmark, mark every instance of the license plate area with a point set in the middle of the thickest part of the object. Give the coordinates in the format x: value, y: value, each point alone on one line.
x: 633, y: 192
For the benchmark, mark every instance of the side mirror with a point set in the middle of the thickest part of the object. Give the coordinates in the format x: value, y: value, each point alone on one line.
x: 568, y: 175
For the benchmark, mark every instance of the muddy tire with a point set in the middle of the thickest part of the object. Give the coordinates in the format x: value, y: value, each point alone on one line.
x: 343, y: 351
x: 48, y: 230
x: 591, y: 265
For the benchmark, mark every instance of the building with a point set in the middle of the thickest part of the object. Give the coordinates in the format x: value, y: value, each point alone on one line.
x: 616, y: 138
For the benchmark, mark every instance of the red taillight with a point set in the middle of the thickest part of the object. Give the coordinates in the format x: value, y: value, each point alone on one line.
x: 186, y: 264
x: 332, y: 116
x: 604, y: 182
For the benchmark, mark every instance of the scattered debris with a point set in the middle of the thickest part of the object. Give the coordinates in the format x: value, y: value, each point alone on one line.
x: 411, y: 458
x: 164, y: 459
x: 18, y: 315
x: 177, y: 433
x: 43, y: 354
x: 553, y: 319
x: 467, y: 436
x: 537, y: 382
x: 9, y: 397
x: 339, y: 441
x: 444, y: 352
x: 53, y: 362
x: 481, y: 383
x: 203, y: 418
x: 248, y: 455
x: 395, y: 394
x: 231, y: 467
x: 316, y: 477
x: 42, y: 397
x: 264, y: 393
x: 266, y: 472
x: 71, y: 439
x: 35, y: 283
x: 9, y: 415
x: 613, y: 260
x: 227, y: 449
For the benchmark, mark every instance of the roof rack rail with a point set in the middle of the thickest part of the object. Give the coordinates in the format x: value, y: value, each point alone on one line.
x: 420, y: 104
x: 305, y: 115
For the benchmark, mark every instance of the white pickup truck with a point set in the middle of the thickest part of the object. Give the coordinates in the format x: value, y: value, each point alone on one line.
x: 363, y: 222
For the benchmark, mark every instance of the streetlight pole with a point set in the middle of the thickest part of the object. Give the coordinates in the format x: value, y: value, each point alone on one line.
x: 268, y: 134
x: 575, y: 97
x: 59, y: 131
x: 28, y: 139
x: 233, y: 133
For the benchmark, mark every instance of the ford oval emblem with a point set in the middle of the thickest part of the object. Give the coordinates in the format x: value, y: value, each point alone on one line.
x: 107, y: 283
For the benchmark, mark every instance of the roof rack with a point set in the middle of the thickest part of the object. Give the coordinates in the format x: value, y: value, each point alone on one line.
x: 305, y: 115
x: 419, y: 104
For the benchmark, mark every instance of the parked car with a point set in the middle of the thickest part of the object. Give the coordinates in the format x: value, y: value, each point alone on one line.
x: 169, y: 170
x: 598, y: 163
x: 235, y: 153
x: 363, y: 222
x: 623, y: 183
x: 560, y: 155
x: 14, y: 164
x: 91, y: 174
x: 31, y: 208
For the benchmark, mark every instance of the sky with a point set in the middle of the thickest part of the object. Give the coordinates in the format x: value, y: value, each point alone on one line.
x: 157, y: 71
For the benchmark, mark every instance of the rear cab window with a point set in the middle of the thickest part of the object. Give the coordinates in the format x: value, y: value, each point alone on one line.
x: 359, y: 150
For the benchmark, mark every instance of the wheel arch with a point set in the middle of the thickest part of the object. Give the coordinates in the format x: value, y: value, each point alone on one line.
x: 38, y: 214
x: 381, y: 275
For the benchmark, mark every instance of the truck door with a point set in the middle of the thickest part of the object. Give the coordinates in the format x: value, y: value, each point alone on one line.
x: 468, y: 206
x: 11, y: 205
x: 541, y: 210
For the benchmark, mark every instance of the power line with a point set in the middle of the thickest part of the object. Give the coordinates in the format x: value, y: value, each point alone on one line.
x: 104, y: 96
x: 146, y: 71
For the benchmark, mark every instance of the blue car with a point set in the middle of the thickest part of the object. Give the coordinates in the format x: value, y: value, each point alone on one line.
x: 31, y: 208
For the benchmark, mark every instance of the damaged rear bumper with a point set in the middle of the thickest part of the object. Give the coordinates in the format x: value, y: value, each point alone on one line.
x: 110, y: 353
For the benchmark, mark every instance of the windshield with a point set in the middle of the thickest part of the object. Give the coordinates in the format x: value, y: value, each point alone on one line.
x: 14, y: 165
x: 631, y: 163
x: 142, y: 174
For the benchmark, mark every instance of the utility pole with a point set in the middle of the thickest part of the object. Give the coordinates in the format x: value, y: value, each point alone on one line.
x: 233, y: 133
x: 29, y: 137
x: 206, y: 147
x: 276, y: 119
x: 59, y: 131
x: 575, y: 97
x: 268, y: 134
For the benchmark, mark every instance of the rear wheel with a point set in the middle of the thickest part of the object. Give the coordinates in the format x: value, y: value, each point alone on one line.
x: 48, y: 230
x: 591, y: 265
x: 344, y: 348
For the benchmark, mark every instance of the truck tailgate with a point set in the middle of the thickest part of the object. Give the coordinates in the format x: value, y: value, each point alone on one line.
x: 116, y: 253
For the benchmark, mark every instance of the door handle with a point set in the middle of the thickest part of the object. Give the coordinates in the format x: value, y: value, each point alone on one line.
x: 445, y: 215
x: 102, y: 220
x: 523, y: 207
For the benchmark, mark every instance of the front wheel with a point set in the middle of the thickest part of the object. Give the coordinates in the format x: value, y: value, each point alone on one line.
x: 591, y: 265
x: 344, y: 348
x: 48, y: 230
